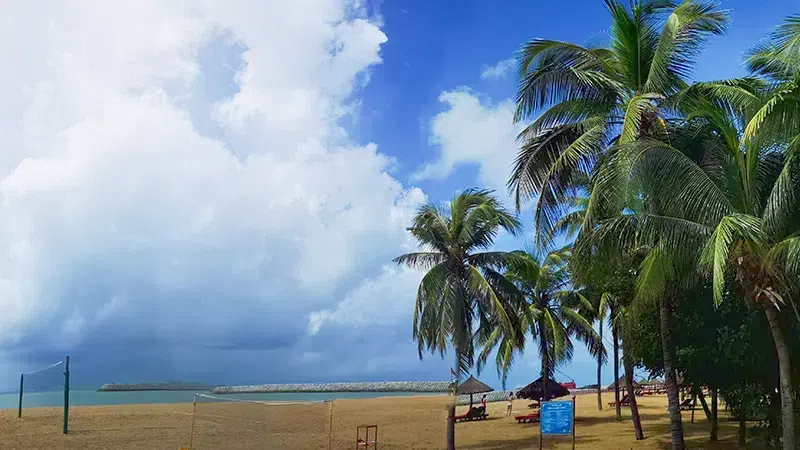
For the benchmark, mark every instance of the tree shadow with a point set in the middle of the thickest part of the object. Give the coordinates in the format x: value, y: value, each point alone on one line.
x: 527, y: 442
x: 613, y: 418
x: 113, y: 430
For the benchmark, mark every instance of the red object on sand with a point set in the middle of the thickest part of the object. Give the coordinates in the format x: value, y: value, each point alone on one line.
x: 527, y: 418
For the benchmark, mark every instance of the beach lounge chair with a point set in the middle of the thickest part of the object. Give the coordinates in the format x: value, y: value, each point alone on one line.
x: 476, y: 413
x: 624, y: 401
x: 527, y: 418
x: 687, y: 405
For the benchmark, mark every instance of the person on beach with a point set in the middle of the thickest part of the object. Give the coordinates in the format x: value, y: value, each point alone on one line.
x: 510, y: 403
x: 483, y: 402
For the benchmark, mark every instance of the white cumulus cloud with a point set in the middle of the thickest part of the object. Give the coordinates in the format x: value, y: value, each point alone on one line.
x: 473, y: 131
x: 153, y: 206
x: 499, y: 70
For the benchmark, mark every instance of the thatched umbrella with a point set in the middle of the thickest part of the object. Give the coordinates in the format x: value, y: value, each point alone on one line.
x: 535, y: 390
x: 472, y: 386
x: 653, y: 385
x: 623, y: 384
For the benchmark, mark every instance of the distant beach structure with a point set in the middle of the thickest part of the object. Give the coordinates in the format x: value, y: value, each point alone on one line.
x: 384, y: 386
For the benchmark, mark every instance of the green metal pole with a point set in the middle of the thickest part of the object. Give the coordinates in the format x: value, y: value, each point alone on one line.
x: 66, y: 396
x: 21, y: 383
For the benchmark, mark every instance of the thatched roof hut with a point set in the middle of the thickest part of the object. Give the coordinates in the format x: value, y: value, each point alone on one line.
x: 535, y: 390
x: 472, y: 386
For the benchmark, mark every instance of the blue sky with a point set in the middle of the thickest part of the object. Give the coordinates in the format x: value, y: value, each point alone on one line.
x: 215, y: 192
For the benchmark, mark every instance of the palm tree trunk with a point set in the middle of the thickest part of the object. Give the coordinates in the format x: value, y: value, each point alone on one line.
x: 784, y: 368
x: 670, y: 378
x: 545, y: 361
x: 714, y: 423
x: 637, y: 421
x: 741, y: 437
x: 599, y: 375
x: 616, y: 366
x: 451, y: 411
x: 545, y: 374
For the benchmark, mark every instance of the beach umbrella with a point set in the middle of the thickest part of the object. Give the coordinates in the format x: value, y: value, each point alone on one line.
x: 652, y: 383
x: 535, y: 390
x: 472, y: 386
x: 622, y: 383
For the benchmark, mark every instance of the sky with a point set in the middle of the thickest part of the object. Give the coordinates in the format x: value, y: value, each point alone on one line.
x: 214, y: 191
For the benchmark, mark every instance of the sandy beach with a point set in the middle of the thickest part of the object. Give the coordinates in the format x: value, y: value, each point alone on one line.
x: 403, y: 423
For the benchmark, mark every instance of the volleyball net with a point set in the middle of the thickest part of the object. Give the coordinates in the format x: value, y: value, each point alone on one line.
x: 228, y: 422
x: 46, y: 386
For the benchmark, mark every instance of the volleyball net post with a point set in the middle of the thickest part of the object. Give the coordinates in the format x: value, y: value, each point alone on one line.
x: 48, y: 382
x: 21, y: 390
x: 66, y: 395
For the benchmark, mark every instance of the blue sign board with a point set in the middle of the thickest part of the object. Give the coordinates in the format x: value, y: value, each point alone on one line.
x: 557, y: 418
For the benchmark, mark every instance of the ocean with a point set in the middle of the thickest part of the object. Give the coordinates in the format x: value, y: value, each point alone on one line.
x: 94, y: 398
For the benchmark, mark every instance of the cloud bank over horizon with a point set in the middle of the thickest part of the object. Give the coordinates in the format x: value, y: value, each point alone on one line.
x: 181, y: 199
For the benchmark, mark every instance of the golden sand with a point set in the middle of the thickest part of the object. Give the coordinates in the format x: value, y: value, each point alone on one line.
x: 403, y: 423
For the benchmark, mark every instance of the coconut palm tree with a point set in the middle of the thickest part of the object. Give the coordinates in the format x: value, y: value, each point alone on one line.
x: 568, y: 227
x: 463, y: 289
x: 551, y: 313
x: 588, y: 100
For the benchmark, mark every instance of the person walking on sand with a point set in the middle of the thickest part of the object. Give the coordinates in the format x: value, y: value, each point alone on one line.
x: 483, y: 402
x: 510, y: 403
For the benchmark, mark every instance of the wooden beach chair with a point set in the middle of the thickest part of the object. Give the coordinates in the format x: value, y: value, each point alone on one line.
x: 687, y: 405
x: 476, y: 413
x: 527, y: 418
x: 624, y: 401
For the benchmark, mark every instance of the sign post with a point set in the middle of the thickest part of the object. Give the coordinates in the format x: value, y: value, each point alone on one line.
x: 557, y: 419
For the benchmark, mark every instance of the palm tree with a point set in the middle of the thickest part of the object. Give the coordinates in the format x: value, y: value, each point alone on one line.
x: 463, y: 288
x: 602, y: 310
x: 588, y: 100
x: 551, y: 313
x: 568, y: 227
x: 777, y: 121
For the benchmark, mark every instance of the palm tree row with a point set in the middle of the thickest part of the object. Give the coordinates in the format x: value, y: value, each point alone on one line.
x: 660, y: 185
x: 688, y: 175
x: 477, y: 302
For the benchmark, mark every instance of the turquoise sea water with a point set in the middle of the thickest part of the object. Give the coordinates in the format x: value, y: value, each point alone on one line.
x: 94, y: 398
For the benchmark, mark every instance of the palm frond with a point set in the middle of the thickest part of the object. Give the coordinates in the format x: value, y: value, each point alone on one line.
x: 680, y: 42
x: 545, y: 168
x: 715, y: 256
x: 420, y: 260
x: 783, y: 204
x: 549, y: 73
x: 780, y: 111
x: 655, y: 272
x: 779, y: 58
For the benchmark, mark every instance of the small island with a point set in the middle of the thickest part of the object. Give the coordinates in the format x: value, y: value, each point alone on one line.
x: 169, y: 386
